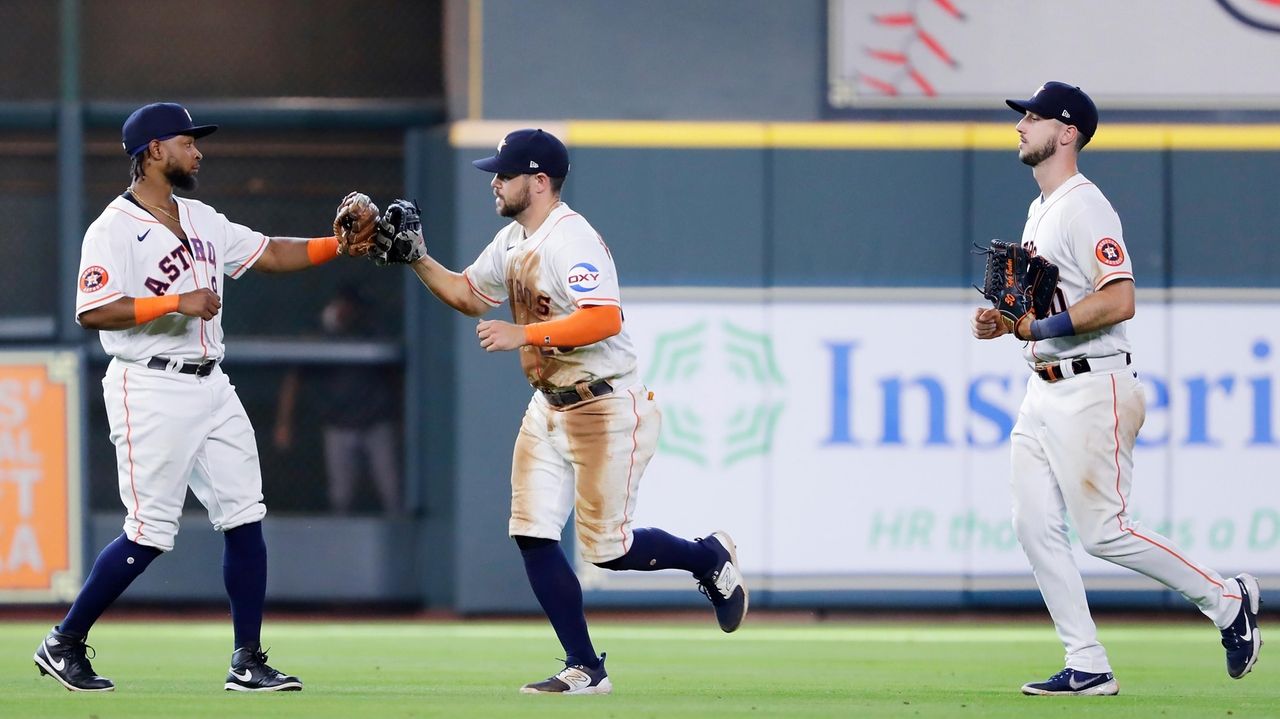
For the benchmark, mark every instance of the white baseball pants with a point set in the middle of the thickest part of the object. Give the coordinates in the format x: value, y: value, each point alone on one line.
x: 1072, y: 452
x: 586, y: 458
x: 176, y: 430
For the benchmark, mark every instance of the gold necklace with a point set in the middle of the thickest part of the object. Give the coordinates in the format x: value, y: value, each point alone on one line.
x: 161, y: 209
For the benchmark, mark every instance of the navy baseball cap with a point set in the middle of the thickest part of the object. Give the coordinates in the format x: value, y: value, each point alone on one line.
x: 528, y: 152
x: 1063, y: 102
x: 159, y: 121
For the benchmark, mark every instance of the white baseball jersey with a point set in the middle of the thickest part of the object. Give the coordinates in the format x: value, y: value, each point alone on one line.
x: 589, y: 457
x: 1076, y: 229
x: 1072, y: 446
x: 128, y: 253
x: 172, y: 430
x: 562, y: 266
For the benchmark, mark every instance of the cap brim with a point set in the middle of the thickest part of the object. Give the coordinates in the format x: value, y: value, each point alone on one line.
x: 494, y: 165
x: 194, y: 132
x: 1018, y: 105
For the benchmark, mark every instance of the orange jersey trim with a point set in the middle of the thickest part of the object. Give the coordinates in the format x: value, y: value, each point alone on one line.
x: 476, y: 291
x: 235, y: 274
x: 98, y: 302
x: 1112, y: 277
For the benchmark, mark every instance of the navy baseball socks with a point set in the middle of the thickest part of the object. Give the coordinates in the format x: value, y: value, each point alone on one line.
x: 560, y: 595
x: 63, y: 654
x: 113, y: 571
x: 244, y: 572
x: 713, y: 561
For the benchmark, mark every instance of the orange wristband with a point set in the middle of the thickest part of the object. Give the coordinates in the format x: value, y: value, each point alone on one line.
x: 322, y: 249
x: 146, y: 309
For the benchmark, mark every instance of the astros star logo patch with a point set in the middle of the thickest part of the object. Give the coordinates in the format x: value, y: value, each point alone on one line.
x: 1109, y: 252
x: 93, y: 279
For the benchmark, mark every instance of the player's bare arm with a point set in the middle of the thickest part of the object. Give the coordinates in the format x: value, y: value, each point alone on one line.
x: 449, y: 286
x: 290, y: 254
x: 1111, y: 305
x: 124, y: 312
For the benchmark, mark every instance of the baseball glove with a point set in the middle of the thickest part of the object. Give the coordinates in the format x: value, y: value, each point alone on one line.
x: 399, y: 238
x: 1017, y: 282
x: 356, y: 224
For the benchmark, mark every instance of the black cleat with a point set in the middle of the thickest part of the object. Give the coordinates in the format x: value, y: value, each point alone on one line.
x: 573, y: 679
x: 249, y: 673
x: 64, y: 657
x: 723, y: 585
x: 1073, y: 682
x: 1243, y: 639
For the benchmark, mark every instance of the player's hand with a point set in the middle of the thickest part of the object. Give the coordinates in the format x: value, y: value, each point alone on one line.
x: 988, y: 323
x: 1022, y: 328
x: 498, y: 336
x: 203, y: 303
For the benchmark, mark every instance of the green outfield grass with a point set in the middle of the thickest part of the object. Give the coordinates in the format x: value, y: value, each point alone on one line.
x: 663, y: 670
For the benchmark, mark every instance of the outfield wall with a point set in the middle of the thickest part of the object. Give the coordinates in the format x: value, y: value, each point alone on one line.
x: 826, y: 403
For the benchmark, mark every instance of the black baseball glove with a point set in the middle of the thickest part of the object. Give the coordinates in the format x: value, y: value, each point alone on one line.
x: 1017, y: 282
x: 399, y: 239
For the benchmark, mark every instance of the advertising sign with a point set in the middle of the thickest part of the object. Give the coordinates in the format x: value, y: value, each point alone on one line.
x: 844, y: 442
x: 40, y: 506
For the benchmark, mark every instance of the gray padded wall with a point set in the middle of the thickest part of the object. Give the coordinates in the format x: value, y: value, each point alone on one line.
x: 660, y: 59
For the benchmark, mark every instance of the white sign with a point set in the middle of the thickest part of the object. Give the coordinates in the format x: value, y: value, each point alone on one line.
x: 853, y: 440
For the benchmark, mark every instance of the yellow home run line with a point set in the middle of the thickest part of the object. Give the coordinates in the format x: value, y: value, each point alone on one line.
x: 860, y: 135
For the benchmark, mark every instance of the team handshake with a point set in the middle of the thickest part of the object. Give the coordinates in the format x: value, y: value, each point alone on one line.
x: 391, y: 238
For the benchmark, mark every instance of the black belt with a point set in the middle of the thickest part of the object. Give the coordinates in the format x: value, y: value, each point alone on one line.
x: 203, y: 369
x: 1079, y: 365
x: 577, y: 393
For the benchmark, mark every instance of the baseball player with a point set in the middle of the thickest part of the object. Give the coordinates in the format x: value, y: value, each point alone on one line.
x: 1072, y: 445
x: 151, y: 272
x: 591, y: 426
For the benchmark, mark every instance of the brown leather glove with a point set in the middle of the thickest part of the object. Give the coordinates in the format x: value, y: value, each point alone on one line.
x: 355, y: 224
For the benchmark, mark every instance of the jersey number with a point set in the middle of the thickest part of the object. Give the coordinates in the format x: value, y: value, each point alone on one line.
x: 1059, y: 303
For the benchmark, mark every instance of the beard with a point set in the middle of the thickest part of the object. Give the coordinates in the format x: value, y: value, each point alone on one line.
x: 515, y: 204
x: 180, y: 178
x: 1036, y: 155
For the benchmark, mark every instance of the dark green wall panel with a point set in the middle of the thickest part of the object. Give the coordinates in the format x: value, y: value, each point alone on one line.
x: 676, y: 217
x: 1225, y: 219
x: 868, y: 218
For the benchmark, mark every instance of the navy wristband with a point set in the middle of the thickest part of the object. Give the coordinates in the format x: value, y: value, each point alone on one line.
x: 1058, y: 325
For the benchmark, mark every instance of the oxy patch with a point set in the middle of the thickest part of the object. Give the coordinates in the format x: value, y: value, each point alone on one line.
x: 583, y: 277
